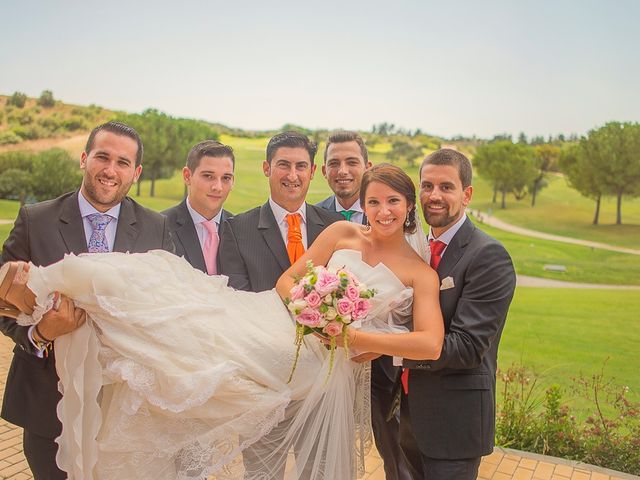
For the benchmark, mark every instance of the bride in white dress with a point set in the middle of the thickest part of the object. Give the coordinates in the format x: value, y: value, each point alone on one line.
x: 175, y: 374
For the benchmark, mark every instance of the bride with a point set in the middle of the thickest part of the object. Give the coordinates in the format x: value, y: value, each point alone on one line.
x: 175, y: 374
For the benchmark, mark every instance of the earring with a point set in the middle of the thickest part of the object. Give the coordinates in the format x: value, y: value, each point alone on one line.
x: 367, y: 225
x: 407, y: 222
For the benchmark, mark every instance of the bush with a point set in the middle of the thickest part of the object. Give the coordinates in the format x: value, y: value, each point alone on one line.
x: 18, y: 99
x: 74, y: 123
x: 46, y: 99
x: 540, y: 423
x: 9, y: 138
x: 28, y: 132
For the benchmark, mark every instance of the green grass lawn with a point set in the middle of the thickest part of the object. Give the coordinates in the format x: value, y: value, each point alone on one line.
x: 561, y: 210
x: 562, y: 333
x: 584, y: 264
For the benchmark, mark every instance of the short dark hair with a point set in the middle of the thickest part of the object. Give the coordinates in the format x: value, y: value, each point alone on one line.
x: 343, y: 136
x: 453, y: 158
x: 291, y: 140
x: 209, y: 148
x: 395, y: 178
x: 119, y: 129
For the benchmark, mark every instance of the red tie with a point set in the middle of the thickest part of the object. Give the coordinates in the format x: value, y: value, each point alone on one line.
x: 436, y: 247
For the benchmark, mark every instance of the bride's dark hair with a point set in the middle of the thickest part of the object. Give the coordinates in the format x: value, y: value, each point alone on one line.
x: 395, y: 178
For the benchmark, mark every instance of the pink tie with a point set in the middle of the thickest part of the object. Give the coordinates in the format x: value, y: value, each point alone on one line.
x: 210, y: 249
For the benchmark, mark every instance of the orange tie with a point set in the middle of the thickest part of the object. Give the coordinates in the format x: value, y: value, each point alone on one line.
x: 295, y: 249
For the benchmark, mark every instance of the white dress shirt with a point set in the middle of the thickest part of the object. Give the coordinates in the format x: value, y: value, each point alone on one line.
x: 198, y: 220
x: 358, y: 214
x: 281, y: 219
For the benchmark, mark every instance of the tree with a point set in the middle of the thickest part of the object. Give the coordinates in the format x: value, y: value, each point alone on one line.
x: 401, y: 149
x: 546, y: 159
x: 18, y: 99
x: 15, y: 183
x: 580, y: 165
x: 167, y: 141
x: 54, y: 173
x: 46, y: 99
x: 509, y: 167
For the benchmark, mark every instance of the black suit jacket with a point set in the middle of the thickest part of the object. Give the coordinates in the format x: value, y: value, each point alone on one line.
x: 42, y: 234
x: 329, y: 203
x: 185, y: 237
x: 452, y: 399
x: 252, y: 253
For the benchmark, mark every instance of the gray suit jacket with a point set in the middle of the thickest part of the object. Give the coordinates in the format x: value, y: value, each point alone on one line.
x: 185, y: 236
x: 252, y: 253
x: 42, y: 234
x: 329, y: 203
x: 452, y: 399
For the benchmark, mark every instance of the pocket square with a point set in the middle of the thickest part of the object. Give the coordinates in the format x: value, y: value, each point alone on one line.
x: 447, y: 283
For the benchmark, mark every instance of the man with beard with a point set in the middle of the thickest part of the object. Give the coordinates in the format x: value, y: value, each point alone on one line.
x: 448, y: 405
x: 98, y: 217
x: 345, y: 161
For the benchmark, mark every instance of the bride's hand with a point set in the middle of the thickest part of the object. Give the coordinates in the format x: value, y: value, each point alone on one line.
x: 63, y: 318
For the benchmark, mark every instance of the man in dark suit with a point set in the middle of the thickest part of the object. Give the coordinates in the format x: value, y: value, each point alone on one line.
x: 253, y: 249
x: 345, y: 161
x: 195, y: 222
x: 97, y: 218
x: 259, y: 245
x: 450, y: 406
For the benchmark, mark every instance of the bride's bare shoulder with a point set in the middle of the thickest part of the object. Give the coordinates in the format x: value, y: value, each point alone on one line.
x: 344, y: 229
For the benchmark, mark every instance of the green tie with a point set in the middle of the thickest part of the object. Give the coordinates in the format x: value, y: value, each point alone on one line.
x: 347, y: 214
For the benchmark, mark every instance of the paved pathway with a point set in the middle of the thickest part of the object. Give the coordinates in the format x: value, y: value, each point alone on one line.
x: 503, y: 464
x: 497, y: 223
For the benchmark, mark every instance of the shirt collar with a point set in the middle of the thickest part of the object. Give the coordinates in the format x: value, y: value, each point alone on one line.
x: 447, y: 236
x: 280, y: 213
x: 356, y: 207
x: 87, y: 209
x: 197, y: 218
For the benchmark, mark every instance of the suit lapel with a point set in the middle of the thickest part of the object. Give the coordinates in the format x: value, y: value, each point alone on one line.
x: 72, y: 226
x: 315, y: 224
x: 188, y: 237
x: 455, y: 249
x: 271, y: 233
x: 127, y: 232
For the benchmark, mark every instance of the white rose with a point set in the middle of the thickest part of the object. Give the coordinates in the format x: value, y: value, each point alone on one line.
x: 331, y: 313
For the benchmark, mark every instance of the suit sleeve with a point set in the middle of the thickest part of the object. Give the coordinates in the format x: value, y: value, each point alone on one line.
x: 16, y: 247
x: 481, y: 311
x: 231, y: 262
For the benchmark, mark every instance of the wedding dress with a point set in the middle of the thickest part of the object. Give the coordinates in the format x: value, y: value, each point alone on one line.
x: 175, y: 374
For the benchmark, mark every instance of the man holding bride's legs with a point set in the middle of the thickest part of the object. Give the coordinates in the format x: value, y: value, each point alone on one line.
x: 99, y: 217
x: 448, y: 414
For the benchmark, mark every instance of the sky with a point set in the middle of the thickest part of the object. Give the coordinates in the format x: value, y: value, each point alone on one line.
x: 447, y: 67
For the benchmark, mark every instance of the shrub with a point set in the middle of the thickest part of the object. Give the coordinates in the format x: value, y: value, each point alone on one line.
x: 18, y: 99
x: 74, y: 123
x: 8, y: 138
x: 46, y: 99
x: 535, y: 421
x: 28, y: 132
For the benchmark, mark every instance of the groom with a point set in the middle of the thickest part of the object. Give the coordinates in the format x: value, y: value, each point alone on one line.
x: 259, y: 245
x: 97, y: 218
x: 448, y: 415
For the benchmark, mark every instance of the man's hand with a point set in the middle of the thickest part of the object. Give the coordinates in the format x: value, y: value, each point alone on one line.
x: 365, y: 357
x: 63, y: 318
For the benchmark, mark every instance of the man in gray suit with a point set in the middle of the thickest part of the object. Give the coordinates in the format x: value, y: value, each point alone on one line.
x: 345, y: 161
x: 253, y: 248
x: 97, y: 218
x: 259, y: 245
x: 195, y: 222
x: 448, y: 415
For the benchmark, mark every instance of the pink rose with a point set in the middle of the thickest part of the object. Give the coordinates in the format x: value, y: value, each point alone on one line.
x: 309, y: 317
x: 361, y: 308
x: 352, y: 293
x: 326, y: 283
x: 297, y: 292
x: 333, y: 329
x: 313, y: 299
x: 344, y: 306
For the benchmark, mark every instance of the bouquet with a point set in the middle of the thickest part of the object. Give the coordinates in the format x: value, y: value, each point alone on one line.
x: 325, y: 301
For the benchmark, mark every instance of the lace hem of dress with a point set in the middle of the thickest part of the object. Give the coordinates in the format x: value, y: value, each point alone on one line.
x: 38, y: 311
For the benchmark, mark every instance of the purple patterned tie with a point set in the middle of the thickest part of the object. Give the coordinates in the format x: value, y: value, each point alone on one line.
x: 98, y: 240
